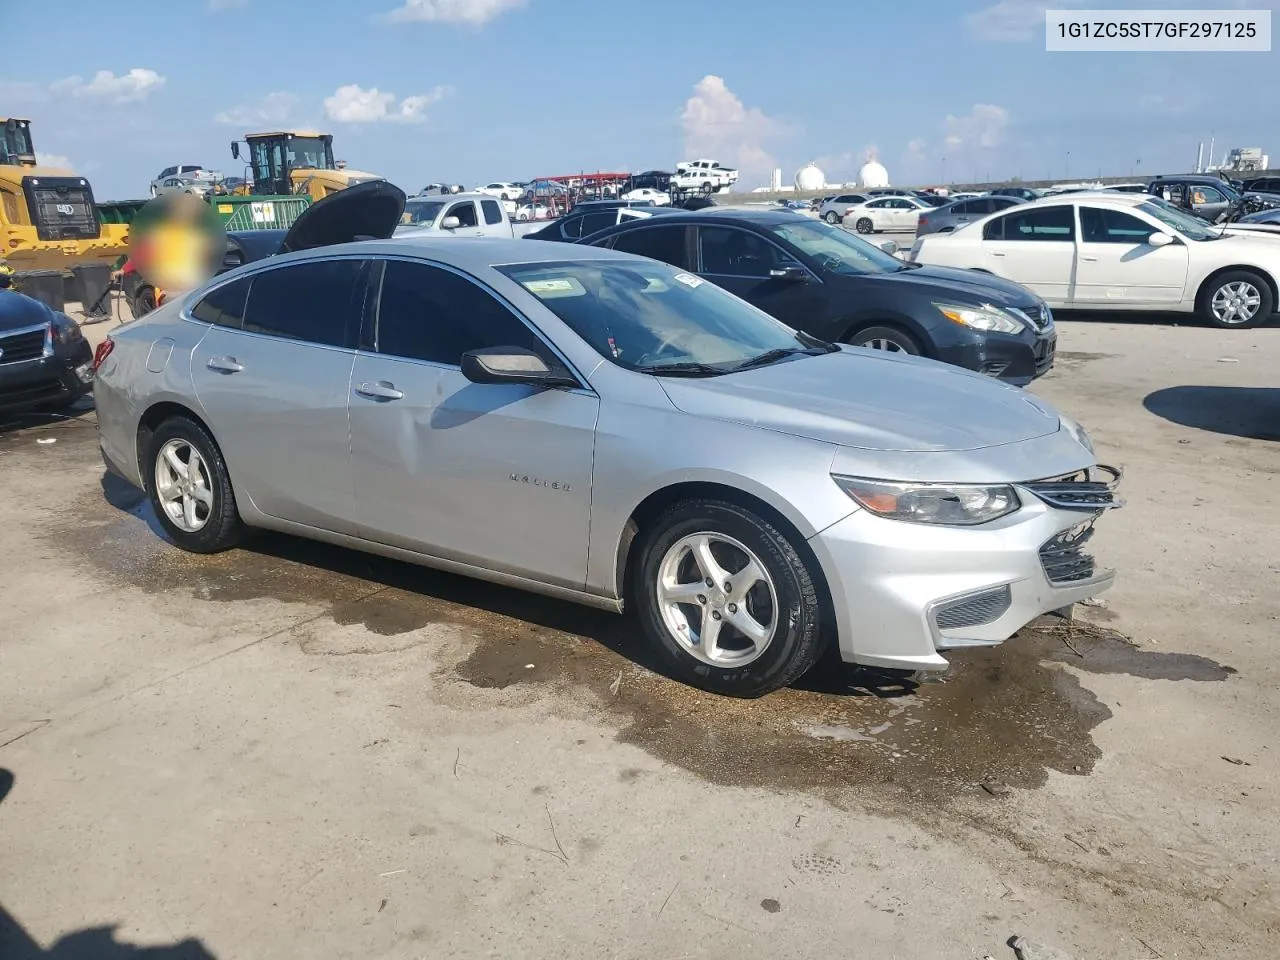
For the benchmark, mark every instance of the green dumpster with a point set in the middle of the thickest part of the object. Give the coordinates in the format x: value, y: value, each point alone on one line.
x: 119, y: 211
x: 260, y: 213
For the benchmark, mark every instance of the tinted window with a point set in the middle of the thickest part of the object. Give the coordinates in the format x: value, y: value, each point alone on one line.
x: 426, y: 313
x: 970, y: 207
x: 659, y: 243
x: 492, y: 214
x: 598, y: 221
x: 465, y: 212
x: 1049, y: 223
x: 571, y: 227
x: 307, y: 301
x: 1111, y: 226
x: 224, y: 307
x: 1001, y: 203
x: 736, y: 253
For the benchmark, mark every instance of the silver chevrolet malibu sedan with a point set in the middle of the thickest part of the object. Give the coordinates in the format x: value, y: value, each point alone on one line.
x: 607, y: 429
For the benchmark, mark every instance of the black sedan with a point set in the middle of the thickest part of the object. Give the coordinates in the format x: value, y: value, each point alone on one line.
x: 830, y: 283
x: 45, y: 361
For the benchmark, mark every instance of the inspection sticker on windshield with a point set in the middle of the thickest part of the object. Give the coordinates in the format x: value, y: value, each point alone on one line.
x: 540, y: 287
x: 689, y: 280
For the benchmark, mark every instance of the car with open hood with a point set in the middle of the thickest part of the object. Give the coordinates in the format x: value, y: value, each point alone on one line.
x: 607, y: 429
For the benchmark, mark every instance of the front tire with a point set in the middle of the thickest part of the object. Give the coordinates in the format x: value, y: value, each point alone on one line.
x: 889, y: 339
x: 1236, y: 300
x: 190, y: 489
x: 832, y: 217
x: 864, y: 225
x: 740, y: 639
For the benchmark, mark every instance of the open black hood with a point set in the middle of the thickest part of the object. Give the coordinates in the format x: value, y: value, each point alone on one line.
x: 366, y: 211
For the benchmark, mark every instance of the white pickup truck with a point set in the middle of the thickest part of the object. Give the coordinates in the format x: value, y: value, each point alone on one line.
x: 703, y: 176
x: 458, y: 215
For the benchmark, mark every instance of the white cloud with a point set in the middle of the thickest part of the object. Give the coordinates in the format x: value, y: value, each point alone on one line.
x: 719, y: 126
x: 983, y: 127
x: 915, y: 148
x: 217, y: 6
x: 274, y: 108
x: 1011, y: 21
x: 138, y: 84
x: 475, y: 13
x: 353, y: 104
x: 54, y: 160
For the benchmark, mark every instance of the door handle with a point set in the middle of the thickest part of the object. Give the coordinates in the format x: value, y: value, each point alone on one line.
x: 1090, y: 259
x: 382, y: 390
x: 996, y: 253
x: 224, y: 365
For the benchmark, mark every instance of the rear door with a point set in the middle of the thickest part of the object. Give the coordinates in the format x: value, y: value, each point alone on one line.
x: 670, y: 243
x: 1034, y: 246
x: 272, y: 376
x: 492, y: 475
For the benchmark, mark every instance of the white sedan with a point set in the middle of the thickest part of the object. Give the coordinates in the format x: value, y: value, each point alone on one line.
x: 886, y: 213
x: 501, y: 190
x: 1117, y: 251
x: 659, y: 198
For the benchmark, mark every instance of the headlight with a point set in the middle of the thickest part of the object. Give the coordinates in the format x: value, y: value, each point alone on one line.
x: 1078, y: 432
x: 943, y: 503
x: 67, y: 331
x: 984, y: 317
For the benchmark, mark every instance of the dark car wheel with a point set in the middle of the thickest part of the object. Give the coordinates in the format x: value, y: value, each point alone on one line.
x: 144, y: 301
x: 190, y: 489
x: 864, y: 225
x: 1236, y: 300
x: 890, y: 339
x: 832, y: 217
x: 727, y: 599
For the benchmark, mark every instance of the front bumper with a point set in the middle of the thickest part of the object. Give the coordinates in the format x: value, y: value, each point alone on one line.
x: 59, y: 378
x: 1015, y: 359
x: 903, y: 592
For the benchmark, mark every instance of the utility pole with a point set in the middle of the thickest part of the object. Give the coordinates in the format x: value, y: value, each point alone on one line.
x: 1066, y: 174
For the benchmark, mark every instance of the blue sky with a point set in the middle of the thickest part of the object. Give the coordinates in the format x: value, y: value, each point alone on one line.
x: 469, y: 91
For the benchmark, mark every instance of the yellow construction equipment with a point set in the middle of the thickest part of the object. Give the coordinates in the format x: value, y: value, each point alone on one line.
x: 296, y: 161
x: 48, y: 220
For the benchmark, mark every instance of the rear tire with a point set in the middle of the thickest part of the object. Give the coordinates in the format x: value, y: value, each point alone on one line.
x: 190, y: 489
x: 780, y: 609
x: 1235, y: 300
x: 889, y: 339
x: 864, y: 225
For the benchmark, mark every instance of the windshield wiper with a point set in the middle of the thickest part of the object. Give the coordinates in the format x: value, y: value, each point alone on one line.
x: 781, y: 353
x: 687, y: 368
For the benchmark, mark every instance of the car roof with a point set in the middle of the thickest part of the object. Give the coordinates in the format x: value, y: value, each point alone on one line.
x: 466, y: 253
x: 1093, y: 196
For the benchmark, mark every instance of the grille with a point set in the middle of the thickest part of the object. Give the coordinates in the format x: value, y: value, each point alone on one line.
x: 17, y: 347
x: 62, y: 208
x: 973, y: 611
x: 1040, y: 317
x: 1079, y: 491
x: 1063, y: 557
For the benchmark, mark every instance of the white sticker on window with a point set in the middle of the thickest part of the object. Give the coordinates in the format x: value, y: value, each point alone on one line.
x: 689, y: 280
x: 548, y: 286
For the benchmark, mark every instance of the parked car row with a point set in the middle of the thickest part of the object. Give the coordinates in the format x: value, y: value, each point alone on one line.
x: 606, y: 422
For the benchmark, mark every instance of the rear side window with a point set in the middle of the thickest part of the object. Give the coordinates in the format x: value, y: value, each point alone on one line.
x: 492, y: 213
x: 571, y: 227
x: 658, y: 243
x: 316, y: 302
x: 968, y: 207
x: 593, y: 222
x: 224, y: 307
x: 1048, y: 223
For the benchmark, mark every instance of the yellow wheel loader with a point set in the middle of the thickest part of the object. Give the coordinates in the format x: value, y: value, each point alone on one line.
x: 48, y: 220
x: 295, y: 162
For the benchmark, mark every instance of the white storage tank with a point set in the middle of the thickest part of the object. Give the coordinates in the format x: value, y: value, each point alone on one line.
x: 809, y: 177
x: 873, y: 174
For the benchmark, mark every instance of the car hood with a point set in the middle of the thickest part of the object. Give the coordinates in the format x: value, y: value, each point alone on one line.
x: 870, y: 400
x: 968, y: 286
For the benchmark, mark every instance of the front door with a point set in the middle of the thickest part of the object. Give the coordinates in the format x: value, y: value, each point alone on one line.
x: 1118, y: 266
x: 273, y: 376
x: 468, y: 219
x: 740, y: 260
x: 497, y: 476
x: 1035, y: 247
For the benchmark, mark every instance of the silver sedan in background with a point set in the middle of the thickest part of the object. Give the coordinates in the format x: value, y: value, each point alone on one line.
x: 606, y: 429
x: 956, y: 214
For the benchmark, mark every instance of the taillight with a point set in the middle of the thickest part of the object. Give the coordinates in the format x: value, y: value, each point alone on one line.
x: 102, y: 352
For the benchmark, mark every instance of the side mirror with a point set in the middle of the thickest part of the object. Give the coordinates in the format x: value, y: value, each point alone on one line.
x: 1159, y: 239
x: 235, y: 149
x: 792, y: 272
x: 512, y: 365
x: 450, y: 223
x: 890, y: 247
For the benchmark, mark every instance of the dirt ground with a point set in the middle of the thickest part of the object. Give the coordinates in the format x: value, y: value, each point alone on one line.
x: 292, y: 750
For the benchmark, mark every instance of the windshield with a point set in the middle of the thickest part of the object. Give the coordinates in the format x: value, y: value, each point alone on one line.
x: 646, y: 316
x: 1191, y: 227
x: 310, y: 152
x: 838, y: 250
x: 421, y: 213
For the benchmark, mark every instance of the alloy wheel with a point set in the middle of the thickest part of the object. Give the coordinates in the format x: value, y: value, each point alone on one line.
x: 183, y: 486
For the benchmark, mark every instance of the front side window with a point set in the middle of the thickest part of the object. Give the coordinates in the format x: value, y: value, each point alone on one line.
x: 730, y: 252
x: 646, y: 316
x: 316, y: 301
x: 1100, y: 225
x: 1043, y: 224
x: 428, y: 313
x: 465, y: 212
x: 658, y: 243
